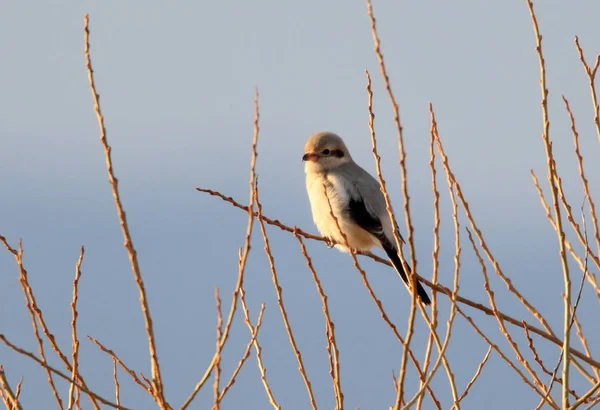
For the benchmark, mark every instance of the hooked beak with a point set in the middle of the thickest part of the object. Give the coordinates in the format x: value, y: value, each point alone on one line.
x: 310, y: 157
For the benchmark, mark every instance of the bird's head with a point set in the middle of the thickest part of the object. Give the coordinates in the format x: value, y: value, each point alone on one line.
x: 325, y: 151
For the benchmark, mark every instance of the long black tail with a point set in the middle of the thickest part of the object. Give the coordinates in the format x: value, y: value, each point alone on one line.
x: 393, y: 256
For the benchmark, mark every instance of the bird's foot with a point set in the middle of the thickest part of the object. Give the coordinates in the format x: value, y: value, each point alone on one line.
x: 329, y: 243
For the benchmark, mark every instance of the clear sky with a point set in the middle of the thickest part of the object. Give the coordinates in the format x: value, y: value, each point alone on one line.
x: 176, y: 81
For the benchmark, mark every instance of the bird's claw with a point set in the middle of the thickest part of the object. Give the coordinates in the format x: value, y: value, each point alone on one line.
x: 329, y: 243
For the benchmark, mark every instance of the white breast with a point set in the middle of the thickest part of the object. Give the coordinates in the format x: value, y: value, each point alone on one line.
x: 357, y: 237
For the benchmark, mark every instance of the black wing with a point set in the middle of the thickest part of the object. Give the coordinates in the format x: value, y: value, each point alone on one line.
x: 362, y: 217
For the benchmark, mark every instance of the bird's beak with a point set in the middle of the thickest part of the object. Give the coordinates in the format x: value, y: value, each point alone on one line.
x: 310, y: 157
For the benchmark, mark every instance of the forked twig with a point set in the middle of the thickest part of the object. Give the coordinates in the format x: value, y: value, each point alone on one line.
x: 329, y: 326
x: 146, y: 386
x: 476, y: 375
x: 551, y: 166
x: 36, y: 312
x: 242, y: 264
x: 255, y: 330
x: 59, y: 373
x: 280, y: 303
x: 550, y: 336
x: 10, y: 399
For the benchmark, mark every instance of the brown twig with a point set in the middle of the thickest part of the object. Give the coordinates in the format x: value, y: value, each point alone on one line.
x: 551, y: 166
x: 586, y: 396
x: 75, y: 339
x: 134, y: 377
x: 588, y: 197
x: 573, y: 309
x: 457, y: 253
x: 10, y: 399
x: 390, y: 211
x: 217, y: 395
x: 437, y: 287
x: 584, y: 179
x: 591, y: 278
x: 485, y: 248
x: 503, y: 329
x: 584, y: 343
x: 591, y: 74
x: 329, y: 326
x: 116, y: 379
x: 552, y: 374
x: 34, y: 311
x: 258, y: 347
x: 281, y: 305
x: 18, y: 389
x: 436, y: 250
x: 242, y: 264
x: 131, y: 252
x: 356, y: 265
x: 33, y: 308
x: 58, y: 373
x: 503, y: 356
x: 404, y: 184
x: 254, y: 335
x: 476, y: 375
x: 370, y: 290
x: 442, y: 347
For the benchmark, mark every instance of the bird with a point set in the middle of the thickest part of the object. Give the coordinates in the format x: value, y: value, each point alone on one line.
x: 332, y: 177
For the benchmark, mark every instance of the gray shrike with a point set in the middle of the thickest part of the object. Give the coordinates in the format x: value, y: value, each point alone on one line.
x: 356, y: 200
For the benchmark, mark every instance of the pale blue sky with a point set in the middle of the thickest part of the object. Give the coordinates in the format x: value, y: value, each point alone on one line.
x: 176, y: 81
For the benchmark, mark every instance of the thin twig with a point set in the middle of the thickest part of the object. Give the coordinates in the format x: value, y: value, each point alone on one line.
x: 134, y: 377
x: 35, y: 312
x: 437, y: 287
x: 18, y: 389
x: 242, y: 264
x: 58, y: 373
x: 115, y: 378
x: 75, y: 339
x: 457, y: 265
x: 503, y: 356
x: 329, y: 326
x: 390, y: 211
x: 217, y: 395
x: 258, y: 348
x: 404, y: 184
x: 586, y: 396
x: 552, y: 374
x: 591, y: 74
x: 551, y: 166
x: 584, y: 342
x: 284, y: 315
x: 7, y: 394
x: 476, y: 375
x: 585, y: 273
x: 503, y: 329
x: 588, y: 197
x: 131, y: 252
x: 580, y: 262
x: 255, y: 330
x: 442, y: 347
x: 33, y: 308
x: 436, y: 250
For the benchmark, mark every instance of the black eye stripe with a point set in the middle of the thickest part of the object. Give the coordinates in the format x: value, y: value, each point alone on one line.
x: 338, y: 153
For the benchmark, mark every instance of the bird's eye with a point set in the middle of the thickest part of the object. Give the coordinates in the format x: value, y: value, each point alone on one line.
x: 326, y: 152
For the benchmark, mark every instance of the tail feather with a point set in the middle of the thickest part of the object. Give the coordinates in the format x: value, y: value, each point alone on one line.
x: 393, y: 257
